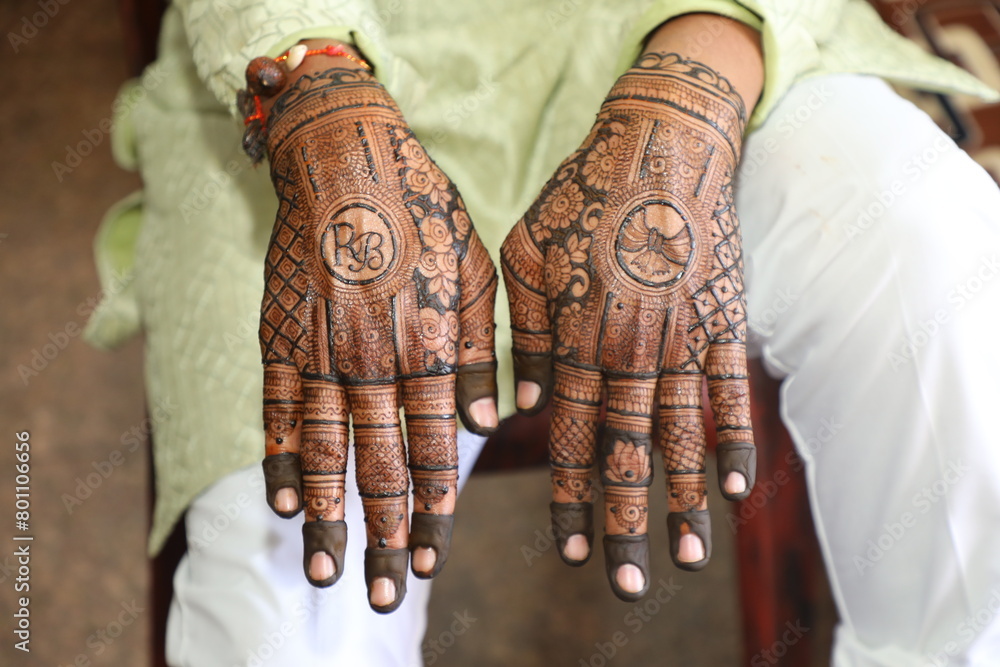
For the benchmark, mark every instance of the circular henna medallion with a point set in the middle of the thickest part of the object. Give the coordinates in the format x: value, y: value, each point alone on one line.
x: 655, y: 244
x: 358, y: 244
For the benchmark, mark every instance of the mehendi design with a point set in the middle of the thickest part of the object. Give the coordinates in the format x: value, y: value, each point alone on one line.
x: 687, y: 491
x: 384, y: 516
x: 378, y: 295
x: 628, y: 508
x: 628, y: 463
x: 625, y: 284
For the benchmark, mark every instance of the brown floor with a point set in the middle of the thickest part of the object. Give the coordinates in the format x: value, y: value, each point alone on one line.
x: 89, y: 564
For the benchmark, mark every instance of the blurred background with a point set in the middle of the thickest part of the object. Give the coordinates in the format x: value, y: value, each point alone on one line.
x: 94, y: 593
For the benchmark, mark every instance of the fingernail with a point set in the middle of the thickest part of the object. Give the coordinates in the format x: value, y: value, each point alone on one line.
x: 424, y: 559
x: 527, y: 394
x: 576, y: 548
x: 736, y: 483
x: 285, y: 500
x: 295, y: 56
x: 484, y: 412
x: 629, y: 578
x: 383, y: 592
x: 690, y: 550
x: 321, y: 566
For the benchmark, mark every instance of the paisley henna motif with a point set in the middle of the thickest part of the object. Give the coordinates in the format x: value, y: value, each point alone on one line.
x: 625, y: 284
x: 378, y: 295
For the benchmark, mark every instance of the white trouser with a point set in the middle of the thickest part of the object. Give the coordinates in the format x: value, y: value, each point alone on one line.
x: 872, y: 246
x: 241, y: 598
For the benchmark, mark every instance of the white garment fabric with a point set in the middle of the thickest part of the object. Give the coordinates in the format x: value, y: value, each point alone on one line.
x: 241, y: 598
x: 872, y: 246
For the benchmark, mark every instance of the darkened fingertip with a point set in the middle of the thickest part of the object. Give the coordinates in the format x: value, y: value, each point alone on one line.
x: 740, y: 457
x: 624, y: 550
x: 329, y: 537
x: 473, y: 382
x: 535, y: 368
x: 698, y: 522
x: 389, y: 563
x: 282, y: 471
x: 570, y: 519
x: 432, y: 531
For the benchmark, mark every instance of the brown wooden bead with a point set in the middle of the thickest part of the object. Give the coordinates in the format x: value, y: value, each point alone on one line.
x: 265, y: 77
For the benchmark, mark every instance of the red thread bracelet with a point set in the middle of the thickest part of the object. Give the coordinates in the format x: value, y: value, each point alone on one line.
x: 333, y: 51
x: 337, y: 51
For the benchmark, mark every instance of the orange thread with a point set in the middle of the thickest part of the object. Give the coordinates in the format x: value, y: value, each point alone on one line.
x: 258, y: 112
x: 332, y: 51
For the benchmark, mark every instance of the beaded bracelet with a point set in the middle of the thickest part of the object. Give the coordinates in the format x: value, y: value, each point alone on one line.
x: 294, y: 56
x: 265, y: 77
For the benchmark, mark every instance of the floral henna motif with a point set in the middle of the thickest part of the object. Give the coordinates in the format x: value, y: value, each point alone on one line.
x: 627, y: 463
x: 557, y: 211
x: 378, y: 293
x: 625, y: 281
x: 599, y: 165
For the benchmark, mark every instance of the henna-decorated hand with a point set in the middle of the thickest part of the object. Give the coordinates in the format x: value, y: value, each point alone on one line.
x: 378, y: 295
x: 625, y: 281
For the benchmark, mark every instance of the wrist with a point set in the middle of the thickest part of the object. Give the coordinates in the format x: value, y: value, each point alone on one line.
x: 269, y: 79
x: 311, y: 57
x: 729, y: 48
x: 667, y: 88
